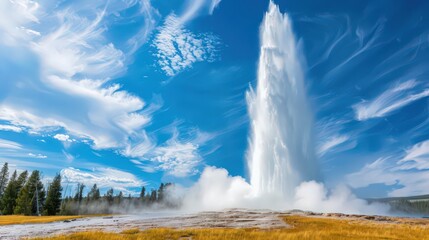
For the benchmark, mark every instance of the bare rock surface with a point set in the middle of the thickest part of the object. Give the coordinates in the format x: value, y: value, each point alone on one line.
x: 232, y: 218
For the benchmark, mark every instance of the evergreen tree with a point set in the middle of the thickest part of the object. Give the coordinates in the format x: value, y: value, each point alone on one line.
x: 22, y: 179
x: 109, y: 196
x: 142, y: 193
x: 4, y: 176
x: 8, y: 199
x: 53, y: 200
x: 119, y: 197
x: 94, y: 193
x: 12, y: 191
x: 161, y: 192
x: 31, y: 196
x: 153, y: 196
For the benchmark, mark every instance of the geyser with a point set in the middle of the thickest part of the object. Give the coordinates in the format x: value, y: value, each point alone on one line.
x: 281, y: 157
x: 281, y: 153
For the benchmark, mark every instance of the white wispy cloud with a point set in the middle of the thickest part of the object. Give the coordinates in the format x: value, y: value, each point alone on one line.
x: 6, y: 144
x: 37, y: 155
x: 103, y: 177
x: 417, y: 157
x: 77, y: 65
x: 150, y: 16
x: 62, y: 137
x: 389, y: 101
x: 23, y: 165
x: 12, y: 152
x: 331, y: 143
x: 194, y: 8
x: 410, y: 172
x: 68, y: 156
x: 213, y: 5
x: 178, y: 49
x: 77, y: 45
x: 331, y: 136
x: 15, y: 15
x: 139, y: 148
x: 179, y: 156
x: 25, y: 119
x: 10, y: 128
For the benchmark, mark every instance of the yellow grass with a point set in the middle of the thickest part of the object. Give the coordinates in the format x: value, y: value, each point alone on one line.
x: 302, y: 228
x: 19, y: 219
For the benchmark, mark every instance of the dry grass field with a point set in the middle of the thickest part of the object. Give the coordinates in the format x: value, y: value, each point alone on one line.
x: 19, y: 219
x: 303, y: 227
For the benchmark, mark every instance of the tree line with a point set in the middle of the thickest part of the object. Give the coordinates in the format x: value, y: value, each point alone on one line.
x: 25, y: 194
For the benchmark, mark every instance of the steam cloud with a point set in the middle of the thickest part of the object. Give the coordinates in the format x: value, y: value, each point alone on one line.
x: 216, y: 190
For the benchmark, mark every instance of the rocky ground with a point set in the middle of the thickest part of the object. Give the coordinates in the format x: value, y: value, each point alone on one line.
x: 118, y: 223
x: 233, y: 218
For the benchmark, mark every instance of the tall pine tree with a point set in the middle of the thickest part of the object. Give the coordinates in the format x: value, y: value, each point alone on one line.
x: 94, y: 193
x: 27, y: 202
x: 143, y: 195
x: 109, y: 196
x: 53, y: 199
x: 11, y: 192
x: 4, y: 177
x: 9, y: 196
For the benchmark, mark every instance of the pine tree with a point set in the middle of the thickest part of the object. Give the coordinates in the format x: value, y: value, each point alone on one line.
x: 109, y: 196
x: 94, y: 193
x: 153, y: 196
x: 120, y: 197
x: 4, y: 176
x: 161, y: 192
x: 27, y: 202
x: 142, y: 193
x: 12, y: 191
x: 7, y: 201
x: 53, y: 200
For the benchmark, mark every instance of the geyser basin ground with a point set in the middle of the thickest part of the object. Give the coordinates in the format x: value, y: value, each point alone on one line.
x: 230, y: 224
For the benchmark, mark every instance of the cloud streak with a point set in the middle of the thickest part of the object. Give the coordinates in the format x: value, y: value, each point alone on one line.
x: 9, y: 145
x: 179, y: 156
x: 389, y: 101
x: 103, y: 177
x: 409, y: 173
x: 417, y: 157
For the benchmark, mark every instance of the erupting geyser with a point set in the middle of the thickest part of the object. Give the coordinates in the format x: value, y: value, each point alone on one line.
x: 281, y: 153
x: 281, y: 158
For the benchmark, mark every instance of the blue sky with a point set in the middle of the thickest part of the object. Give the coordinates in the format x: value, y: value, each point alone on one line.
x: 135, y: 92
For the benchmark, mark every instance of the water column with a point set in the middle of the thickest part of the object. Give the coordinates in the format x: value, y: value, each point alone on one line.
x: 281, y: 151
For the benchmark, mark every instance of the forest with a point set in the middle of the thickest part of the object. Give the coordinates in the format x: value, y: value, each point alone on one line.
x: 25, y: 194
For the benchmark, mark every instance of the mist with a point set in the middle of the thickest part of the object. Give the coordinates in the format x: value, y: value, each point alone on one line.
x: 216, y: 190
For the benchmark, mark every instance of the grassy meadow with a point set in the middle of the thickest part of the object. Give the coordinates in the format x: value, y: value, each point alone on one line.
x: 21, y: 219
x: 302, y: 227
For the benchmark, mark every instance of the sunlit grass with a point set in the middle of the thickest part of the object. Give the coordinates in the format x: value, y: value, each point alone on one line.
x: 20, y: 219
x: 302, y: 228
